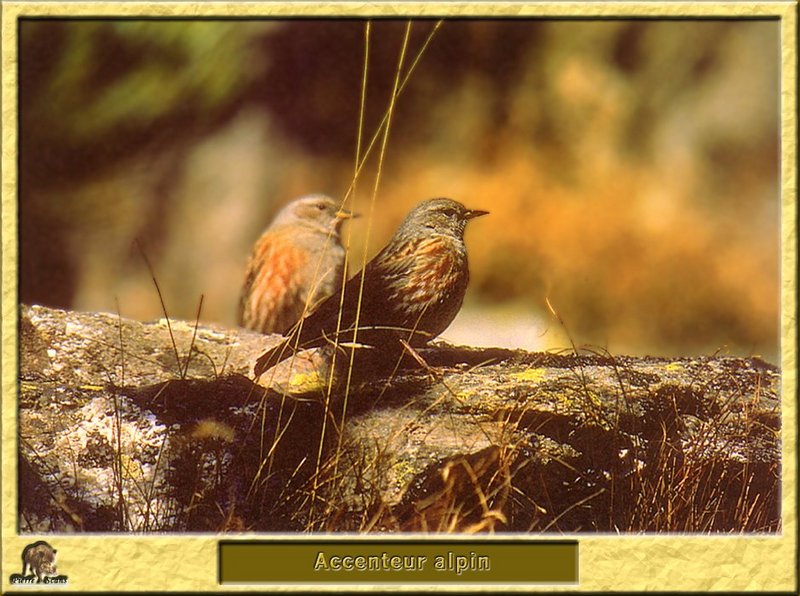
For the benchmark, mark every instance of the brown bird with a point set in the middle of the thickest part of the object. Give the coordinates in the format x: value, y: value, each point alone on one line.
x: 412, y: 289
x: 297, y: 262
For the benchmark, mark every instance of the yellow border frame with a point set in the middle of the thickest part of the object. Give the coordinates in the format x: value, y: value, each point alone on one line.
x: 147, y: 563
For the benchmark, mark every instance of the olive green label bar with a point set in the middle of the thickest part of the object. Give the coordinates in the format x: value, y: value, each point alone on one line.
x: 398, y: 562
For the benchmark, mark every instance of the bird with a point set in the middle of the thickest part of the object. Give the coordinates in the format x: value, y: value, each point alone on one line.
x: 410, y: 291
x: 297, y: 262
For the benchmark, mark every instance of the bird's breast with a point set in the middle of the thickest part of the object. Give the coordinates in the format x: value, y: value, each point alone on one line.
x: 437, y: 268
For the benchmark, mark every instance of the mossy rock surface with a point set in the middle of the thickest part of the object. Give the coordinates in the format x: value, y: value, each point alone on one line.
x: 130, y: 426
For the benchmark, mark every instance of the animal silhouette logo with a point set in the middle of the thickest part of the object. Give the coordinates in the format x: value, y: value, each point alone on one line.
x: 38, y: 565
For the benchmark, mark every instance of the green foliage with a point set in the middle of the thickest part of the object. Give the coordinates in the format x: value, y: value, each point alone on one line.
x: 111, y: 74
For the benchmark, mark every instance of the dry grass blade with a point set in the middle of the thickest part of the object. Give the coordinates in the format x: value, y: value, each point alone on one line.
x: 185, y: 369
x: 386, y: 127
x: 163, y: 304
x: 122, y: 512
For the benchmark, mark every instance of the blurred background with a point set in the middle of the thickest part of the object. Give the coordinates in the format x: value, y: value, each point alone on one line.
x: 631, y: 167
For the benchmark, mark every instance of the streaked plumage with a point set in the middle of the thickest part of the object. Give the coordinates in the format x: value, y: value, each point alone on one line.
x: 297, y: 261
x: 412, y: 289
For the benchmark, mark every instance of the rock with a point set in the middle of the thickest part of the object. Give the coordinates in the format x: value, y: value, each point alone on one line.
x: 150, y: 427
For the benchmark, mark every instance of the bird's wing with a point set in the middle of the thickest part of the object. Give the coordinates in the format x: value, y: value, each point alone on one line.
x: 322, y: 323
x: 385, y: 283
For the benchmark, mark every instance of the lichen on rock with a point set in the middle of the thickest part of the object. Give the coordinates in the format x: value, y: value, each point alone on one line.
x: 147, y: 427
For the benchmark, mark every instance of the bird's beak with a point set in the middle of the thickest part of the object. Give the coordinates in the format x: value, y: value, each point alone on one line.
x: 343, y: 214
x: 472, y: 213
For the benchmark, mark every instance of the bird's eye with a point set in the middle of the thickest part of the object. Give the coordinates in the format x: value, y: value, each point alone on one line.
x: 449, y: 212
x: 320, y: 206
